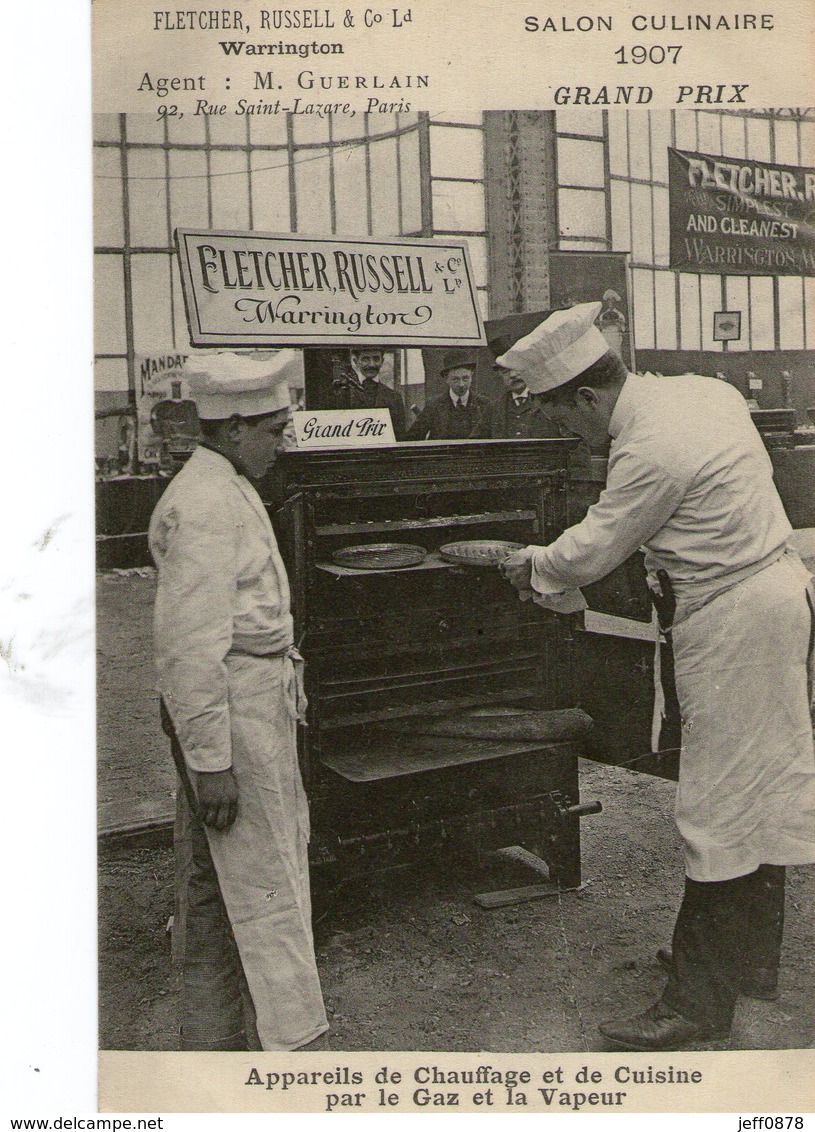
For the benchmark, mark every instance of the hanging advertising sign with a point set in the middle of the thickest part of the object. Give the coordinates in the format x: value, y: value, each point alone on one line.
x: 167, y: 420
x: 735, y: 216
x: 253, y: 289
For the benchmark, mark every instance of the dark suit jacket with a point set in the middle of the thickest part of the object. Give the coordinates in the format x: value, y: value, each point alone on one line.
x: 508, y: 421
x: 440, y: 420
x: 375, y: 395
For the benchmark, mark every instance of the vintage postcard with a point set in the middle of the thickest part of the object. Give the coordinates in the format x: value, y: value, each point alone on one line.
x: 376, y: 208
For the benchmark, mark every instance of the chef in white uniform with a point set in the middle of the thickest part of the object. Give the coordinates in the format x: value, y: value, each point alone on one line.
x: 229, y: 677
x: 690, y: 482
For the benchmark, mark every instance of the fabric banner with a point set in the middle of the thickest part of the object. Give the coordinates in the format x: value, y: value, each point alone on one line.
x: 735, y: 216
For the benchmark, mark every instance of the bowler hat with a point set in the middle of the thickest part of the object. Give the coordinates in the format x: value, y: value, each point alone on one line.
x: 458, y: 359
x: 502, y: 344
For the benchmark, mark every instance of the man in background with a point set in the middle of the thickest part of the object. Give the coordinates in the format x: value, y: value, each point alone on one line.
x: 459, y: 413
x: 231, y: 685
x: 364, y: 390
x: 516, y: 414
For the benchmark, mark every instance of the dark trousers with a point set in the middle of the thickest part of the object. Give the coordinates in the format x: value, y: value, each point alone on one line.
x: 727, y: 941
x: 216, y: 1007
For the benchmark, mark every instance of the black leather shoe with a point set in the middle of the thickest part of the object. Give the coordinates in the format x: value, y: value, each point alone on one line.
x: 656, y: 1028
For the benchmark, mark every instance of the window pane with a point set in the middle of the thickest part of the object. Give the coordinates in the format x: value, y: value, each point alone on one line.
x: 152, y: 314
x: 311, y: 172
x: 108, y: 305
x: 311, y: 129
x: 662, y: 235
x: 690, y: 330
x: 188, y: 189
x: 639, y: 144
x: 345, y: 128
x: 790, y: 313
x: 737, y: 298
x: 380, y: 123
x: 108, y: 226
x: 580, y: 163
x: 786, y: 142
x: 761, y: 308
x: 711, y: 302
x: 458, y: 206
x: 685, y: 122
x: 267, y: 129
x: 144, y: 128
x: 351, y: 191
x: 414, y: 369
x: 809, y: 299
x: 477, y: 246
x: 190, y: 130
x: 758, y: 139
x: 643, y: 296
x: 807, y: 143
x: 467, y: 118
x: 710, y: 136
x: 456, y: 153
x: 270, y: 190
x: 660, y: 140
x: 581, y: 212
x: 148, y: 202
x: 229, y: 181
x: 384, y: 188
x: 641, y: 224
x: 228, y: 129
x: 110, y: 376
x: 734, y: 136
x: 580, y: 121
x: 620, y: 216
x: 106, y: 127
x: 666, y: 310
x: 411, y: 182
x: 618, y: 143
x: 582, y: 245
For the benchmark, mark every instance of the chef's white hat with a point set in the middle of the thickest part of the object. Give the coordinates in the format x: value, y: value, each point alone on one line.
x: 564, y: 344
x: 224, y: 384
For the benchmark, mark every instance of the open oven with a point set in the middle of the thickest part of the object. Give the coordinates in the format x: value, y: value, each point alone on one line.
x: 441, y: 707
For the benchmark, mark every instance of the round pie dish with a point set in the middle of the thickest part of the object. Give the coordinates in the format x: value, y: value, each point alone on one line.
x: 479, y: 552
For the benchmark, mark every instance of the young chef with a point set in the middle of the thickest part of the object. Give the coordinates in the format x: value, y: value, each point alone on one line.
x: 690, y: 481
x: 230, y: 679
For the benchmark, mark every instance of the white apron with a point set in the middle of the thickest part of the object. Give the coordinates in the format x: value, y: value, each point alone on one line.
x: 262, y: 860
x: 746, y: 792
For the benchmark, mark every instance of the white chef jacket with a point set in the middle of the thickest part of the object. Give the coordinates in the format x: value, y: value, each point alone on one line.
x: 689, y: 480
x: 222, y: 588
x: 223, y: 634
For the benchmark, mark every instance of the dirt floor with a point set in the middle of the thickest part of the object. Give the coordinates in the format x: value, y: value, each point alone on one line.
x: 407, y: 960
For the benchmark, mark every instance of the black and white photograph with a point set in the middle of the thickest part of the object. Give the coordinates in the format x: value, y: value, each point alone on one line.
x: 494, y: 862
x: 453, y: 552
